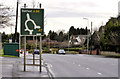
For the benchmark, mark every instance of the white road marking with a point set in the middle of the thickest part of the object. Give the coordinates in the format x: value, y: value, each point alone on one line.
x: 51, y: 65
x: 99, y: 73
x: 63, y: 55
x: 80, y: 55
x: 79, y: 65
x: 87, y: 68
x: 45, y: 76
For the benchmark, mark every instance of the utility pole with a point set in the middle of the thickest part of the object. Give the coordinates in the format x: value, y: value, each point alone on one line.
x: 91, y: 27
x: 91, y: 39
x: 16, y: 22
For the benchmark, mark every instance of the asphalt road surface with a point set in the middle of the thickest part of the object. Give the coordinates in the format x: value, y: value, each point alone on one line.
x: 81, y: 65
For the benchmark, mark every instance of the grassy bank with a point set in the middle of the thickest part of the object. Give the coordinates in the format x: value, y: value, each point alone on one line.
x: 110, y: 54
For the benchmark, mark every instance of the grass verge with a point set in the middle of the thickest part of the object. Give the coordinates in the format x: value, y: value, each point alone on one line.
x: 110, y: 54
x: 9, y: 56
x: 2, y: 54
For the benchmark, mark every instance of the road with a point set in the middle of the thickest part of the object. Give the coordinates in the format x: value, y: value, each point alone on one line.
x: 81, y: 65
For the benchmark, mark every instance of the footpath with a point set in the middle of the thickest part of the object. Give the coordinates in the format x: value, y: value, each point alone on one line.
x: 13, y: 67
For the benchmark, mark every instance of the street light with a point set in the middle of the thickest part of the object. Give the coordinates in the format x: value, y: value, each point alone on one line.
x: 85, y: 18
x: 87, y: 34
x: 87, y: 21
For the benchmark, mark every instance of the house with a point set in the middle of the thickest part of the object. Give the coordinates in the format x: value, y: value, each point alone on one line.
x: 77, y: 39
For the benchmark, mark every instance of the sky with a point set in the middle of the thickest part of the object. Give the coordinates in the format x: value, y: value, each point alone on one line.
x: 62, y: 14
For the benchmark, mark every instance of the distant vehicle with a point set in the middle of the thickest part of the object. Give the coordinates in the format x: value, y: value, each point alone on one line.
x: 36, y: 51
x: 61, y: 51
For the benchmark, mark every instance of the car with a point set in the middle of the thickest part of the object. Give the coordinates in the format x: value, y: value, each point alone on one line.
x: 61, y: 51
x: 36, y: 51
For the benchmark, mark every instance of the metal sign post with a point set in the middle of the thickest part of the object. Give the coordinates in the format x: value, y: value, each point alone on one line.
x: 40, y: 53
x: 33, y: 52
x: 33, y: 57
x: 32, y: 24
x: 24, y: 53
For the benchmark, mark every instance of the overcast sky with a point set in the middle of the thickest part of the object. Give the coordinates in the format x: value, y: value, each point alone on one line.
x: 62, y: 14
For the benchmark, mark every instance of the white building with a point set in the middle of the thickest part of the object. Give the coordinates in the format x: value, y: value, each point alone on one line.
x: 77, y: 39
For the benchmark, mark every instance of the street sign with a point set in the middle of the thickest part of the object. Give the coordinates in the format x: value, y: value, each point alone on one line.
x: 32, y: 21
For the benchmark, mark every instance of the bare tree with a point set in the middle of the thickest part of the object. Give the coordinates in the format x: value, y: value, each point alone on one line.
x: 5, y: 16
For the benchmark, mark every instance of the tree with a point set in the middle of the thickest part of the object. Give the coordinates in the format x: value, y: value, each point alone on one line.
x: 72, y: 31
x: 77, y: 31
x: 61, y: 37
x: 4, y: 37
x: 52, y: 35
x: 95, y: 39
x: 86, y: 31
x: 112, y: 34
x: 5, y: 16
x: 108, y: 36
x: 49, y: 34
x: 66, y: 36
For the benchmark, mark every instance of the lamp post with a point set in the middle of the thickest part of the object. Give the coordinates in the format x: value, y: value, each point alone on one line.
x: 91, y: 39
x: 87, y: 35
x: 68, y: 41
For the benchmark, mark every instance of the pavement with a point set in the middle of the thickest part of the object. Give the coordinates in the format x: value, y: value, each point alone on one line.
x: 13, y: 67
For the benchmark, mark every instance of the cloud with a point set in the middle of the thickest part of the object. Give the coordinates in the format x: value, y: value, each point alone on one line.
x: 76, y: 9
x: 64, y: 13
x: 78, y: 14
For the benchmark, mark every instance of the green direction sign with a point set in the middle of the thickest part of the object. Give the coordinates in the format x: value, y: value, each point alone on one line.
x: 32, y: 21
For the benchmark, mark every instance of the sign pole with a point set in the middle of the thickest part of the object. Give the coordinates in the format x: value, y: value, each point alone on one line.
x: 40, y: 52
x: 33, y: 57
x: 40, y: 49
x: 24, y: 53
x: 36, y: 41
x: 19, y: 44
x: 38, y: 22
x: 33, y: 52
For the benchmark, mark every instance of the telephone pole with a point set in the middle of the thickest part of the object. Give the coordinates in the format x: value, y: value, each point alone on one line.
x: 16, y: 22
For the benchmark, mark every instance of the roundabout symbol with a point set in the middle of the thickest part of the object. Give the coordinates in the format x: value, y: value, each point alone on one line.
x: 26, y: 26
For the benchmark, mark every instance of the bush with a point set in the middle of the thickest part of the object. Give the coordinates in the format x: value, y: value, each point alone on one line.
x: 71, y: 52
x: 46, y: 51
x: 30, y: 51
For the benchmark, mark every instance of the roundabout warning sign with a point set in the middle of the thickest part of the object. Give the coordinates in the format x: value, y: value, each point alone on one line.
x: 32, y: 21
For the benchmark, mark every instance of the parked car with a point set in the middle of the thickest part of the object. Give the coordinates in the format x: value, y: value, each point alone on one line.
x: 61, y: 51
x: 36, y: 51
